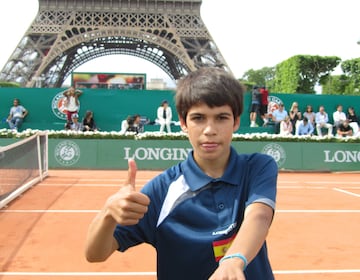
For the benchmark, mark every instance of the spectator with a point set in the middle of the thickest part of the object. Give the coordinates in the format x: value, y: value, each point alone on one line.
x: 164, y: 116
x: 16, y: 115
x: 89, y: 122
x: 344, y: 129
x: 310, y: 115
x: 353, y: 121
x: 286, y: 127
x: 216, y: 203
x: 71, y: 102
x: 338, y: 116
x: 75, y: 124
x: 322, y: 121
x: 305, y: 127
x: 295, y: 115
x: 132, y: 124
x: 264, y: 105
x: 277, y: 116
x: 255, y: 106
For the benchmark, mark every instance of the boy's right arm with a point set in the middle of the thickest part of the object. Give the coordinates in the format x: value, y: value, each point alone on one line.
x: 126, y: 207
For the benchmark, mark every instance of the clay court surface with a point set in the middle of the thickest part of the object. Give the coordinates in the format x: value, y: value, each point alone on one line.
x: 315, y: 234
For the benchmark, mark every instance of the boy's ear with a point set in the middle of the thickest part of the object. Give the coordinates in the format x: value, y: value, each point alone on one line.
x: 183, y: 124
x: 236, y: 124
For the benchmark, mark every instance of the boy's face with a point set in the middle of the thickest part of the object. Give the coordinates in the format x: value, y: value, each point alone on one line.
x: 210, y: 131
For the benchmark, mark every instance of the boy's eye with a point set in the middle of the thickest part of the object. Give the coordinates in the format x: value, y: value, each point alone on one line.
x: 197, y: 117
x: 223, y: 117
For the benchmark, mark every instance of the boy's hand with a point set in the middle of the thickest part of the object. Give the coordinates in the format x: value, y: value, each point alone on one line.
x: 128, y: 206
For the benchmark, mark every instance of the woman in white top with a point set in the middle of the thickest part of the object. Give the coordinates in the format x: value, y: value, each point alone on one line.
x: 164, y: 116
x: 71, y: 102
x: 286, y: 126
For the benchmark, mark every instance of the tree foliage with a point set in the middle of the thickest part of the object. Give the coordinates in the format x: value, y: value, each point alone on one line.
x: 9, y: 84
x: 301, y: 73
x: 262, y: 77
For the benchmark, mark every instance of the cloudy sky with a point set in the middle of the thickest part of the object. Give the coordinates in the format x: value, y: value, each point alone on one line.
x: 250, y: 34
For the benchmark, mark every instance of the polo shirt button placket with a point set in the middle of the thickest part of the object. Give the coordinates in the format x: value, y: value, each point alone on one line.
x: 221, y: 206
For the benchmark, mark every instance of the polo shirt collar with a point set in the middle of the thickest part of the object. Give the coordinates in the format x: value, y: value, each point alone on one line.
x: 197, y: 179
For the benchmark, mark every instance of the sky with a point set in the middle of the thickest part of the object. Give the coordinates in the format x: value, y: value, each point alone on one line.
x: 250, y: 34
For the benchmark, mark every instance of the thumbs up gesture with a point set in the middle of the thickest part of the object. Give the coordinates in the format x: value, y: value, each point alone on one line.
x: 128, y: 206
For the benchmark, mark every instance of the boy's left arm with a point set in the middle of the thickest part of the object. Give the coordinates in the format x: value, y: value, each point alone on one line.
x: 250, y: 238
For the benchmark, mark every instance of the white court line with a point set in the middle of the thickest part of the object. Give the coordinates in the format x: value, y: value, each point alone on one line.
x: 96, y: 211
x: 152, y: 273
x: 317, y: 271
x: 347, y: 192
x: 319, y: 182
x: 318, y: 211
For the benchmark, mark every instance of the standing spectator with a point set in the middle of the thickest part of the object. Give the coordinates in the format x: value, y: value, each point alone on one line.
x: 255, y: 106
x: 322, y: 121
x: 71, y: 103
x: 89, y: 122
x: 295, y: 115
x: 286, y: 127
x: 353, y: 121
x: 305, y: 127
x: 217, y: 204
x: 339, y: 116
x: 16, y: 115
x: 264, y: 105
x: 309, y: 114
x: 344, y: 129
x: 279, y: 115
x: 164, y: 116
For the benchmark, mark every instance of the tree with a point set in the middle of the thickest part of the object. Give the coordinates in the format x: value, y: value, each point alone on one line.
x: 301, y: 73
x: 262, y: 77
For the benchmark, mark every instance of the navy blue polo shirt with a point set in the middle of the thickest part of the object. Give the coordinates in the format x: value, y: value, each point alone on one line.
x: 193, y: 218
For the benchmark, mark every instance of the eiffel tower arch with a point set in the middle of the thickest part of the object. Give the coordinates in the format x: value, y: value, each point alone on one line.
x: 67, y: 33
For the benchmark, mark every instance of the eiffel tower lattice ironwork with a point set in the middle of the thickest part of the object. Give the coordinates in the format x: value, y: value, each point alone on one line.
x: 67, y: 33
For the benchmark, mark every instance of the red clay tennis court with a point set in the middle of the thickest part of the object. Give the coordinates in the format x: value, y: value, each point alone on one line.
x: 315, y: 233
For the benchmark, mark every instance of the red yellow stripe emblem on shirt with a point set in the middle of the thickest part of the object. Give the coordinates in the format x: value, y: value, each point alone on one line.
x: 221, y: 246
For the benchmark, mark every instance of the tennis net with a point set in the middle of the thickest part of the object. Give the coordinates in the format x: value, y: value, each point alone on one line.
x: 22, y: 165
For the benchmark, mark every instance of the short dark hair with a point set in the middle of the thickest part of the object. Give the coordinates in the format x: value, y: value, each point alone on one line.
x: 212, y: 86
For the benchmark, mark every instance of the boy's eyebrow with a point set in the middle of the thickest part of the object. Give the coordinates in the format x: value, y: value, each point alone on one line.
x: 218, y: 114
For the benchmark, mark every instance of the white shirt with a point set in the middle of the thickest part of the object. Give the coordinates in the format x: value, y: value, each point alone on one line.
x: 339, y: 116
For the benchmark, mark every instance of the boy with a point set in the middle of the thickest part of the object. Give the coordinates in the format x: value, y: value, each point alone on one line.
x: 207, y: 216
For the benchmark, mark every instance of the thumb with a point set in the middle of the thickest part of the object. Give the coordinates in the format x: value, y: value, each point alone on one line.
x: 130, y: 181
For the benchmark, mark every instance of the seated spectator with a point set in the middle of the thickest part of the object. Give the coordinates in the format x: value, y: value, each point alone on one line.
x: 322, y: 121
x: 338, y: 116
x: 305, y: 127
x: 75, y: 125
x: 277, y: 116
x: 309, y: 114
x: 132, y: 124
x: 286, y: 127
x: 295, y: 114
x: 353, y: 121
x: 16, y: 115
x: 344, y: 129
x: 89, y: 122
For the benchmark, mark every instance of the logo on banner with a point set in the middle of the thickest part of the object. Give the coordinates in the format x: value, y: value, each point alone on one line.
x: 273, y: 104
x: 67, y: 153
x: 277, y: 152
x: 58, y: 105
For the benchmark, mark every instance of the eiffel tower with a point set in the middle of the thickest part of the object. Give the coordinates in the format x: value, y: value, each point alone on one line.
x: 67, y: 33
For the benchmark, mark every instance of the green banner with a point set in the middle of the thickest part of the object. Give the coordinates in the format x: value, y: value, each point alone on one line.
x: 161, y: 154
